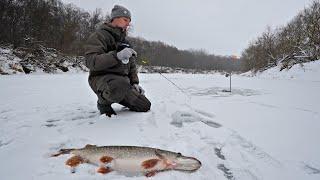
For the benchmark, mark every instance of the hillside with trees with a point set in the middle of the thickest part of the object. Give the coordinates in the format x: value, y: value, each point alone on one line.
x: 296, y: 42
x: 65, y: 27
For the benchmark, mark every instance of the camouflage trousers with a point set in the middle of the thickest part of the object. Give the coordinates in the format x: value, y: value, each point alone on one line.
x: 113, y: 88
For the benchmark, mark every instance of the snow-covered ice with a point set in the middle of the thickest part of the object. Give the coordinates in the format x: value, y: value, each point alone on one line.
x: 266, y: 128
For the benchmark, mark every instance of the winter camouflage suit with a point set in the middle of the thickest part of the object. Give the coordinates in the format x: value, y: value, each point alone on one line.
x: 110, y: 79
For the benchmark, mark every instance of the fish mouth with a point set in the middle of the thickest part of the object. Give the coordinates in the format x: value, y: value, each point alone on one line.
x: 187, y: 164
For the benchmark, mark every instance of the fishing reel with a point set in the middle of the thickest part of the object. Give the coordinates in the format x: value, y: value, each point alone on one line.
x: 122, y: 45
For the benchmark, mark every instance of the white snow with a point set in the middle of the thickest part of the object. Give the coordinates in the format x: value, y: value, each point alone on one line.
x: 306, y: 71
x: 267, y: 128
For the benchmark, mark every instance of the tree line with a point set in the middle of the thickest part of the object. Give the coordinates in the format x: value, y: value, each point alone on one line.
x: 157, y: 53
x: 66, y: 27
x: 296, y: 42
x: 49, y: 22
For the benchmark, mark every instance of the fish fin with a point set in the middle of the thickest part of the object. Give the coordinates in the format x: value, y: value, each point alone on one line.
x: 150, y: 174
x: 62, y: 151
x: 74, y: 161
x: 150, y: 163
x: 90, y: 146
x: 158, y: 154
x: 104, y: 170
x: 106, y: 159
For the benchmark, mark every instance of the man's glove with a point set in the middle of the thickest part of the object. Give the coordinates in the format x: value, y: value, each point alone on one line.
x: 138, y: 88
x: 125, y: 54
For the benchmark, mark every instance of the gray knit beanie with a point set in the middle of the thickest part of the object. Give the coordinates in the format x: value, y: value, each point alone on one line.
x: 120, y: 11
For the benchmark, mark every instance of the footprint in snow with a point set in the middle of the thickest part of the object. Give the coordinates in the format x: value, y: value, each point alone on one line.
x: 89, y: 115
x: 218, y: 152
x: 180, y: 117
x: 5, y: 143
x: 310, y: 169
x: 206, y: 114
x: 5, y: 111
x: 51, y: 123
x: 226, y: 171
x: 81, y: 115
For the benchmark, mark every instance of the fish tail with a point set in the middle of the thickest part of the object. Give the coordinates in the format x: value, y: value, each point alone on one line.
x: 62, y: 151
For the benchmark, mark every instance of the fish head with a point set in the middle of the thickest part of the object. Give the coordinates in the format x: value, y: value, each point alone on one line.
x: 183, y: 163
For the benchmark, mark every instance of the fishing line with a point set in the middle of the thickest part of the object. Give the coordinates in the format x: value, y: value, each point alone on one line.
x: 175, y: 85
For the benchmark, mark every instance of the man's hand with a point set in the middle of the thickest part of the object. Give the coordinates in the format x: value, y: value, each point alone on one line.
x: 125, y: 54
x: 139, y: 88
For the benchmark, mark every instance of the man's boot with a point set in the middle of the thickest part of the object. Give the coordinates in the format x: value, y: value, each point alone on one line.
x: 106, y: 109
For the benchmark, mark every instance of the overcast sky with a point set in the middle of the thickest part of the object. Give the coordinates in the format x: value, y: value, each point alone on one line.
x: 222, y: 27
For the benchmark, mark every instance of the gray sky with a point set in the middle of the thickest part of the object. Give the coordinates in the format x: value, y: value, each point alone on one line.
x: 222, y: 27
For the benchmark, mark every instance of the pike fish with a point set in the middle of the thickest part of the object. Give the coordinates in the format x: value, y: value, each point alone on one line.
x: 129, y: 159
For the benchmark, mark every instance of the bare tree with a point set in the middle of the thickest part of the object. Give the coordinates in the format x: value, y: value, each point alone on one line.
x: 296, y: 42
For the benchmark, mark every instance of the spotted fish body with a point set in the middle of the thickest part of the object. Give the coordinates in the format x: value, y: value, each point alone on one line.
x: 132, y: 159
